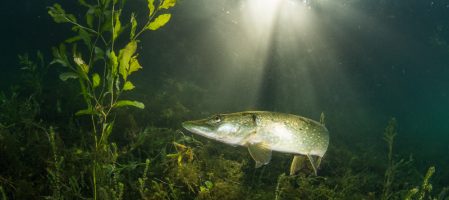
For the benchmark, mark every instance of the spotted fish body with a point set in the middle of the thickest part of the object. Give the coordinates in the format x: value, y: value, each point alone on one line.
x: 263, y: 132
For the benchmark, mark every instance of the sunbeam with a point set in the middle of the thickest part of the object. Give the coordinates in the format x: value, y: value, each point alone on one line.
x: 285, y: 55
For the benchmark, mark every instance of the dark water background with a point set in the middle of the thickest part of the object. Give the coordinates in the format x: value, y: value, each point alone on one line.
x: 361, y: 63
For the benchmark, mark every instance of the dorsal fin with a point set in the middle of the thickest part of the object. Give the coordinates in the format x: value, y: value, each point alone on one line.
x: 322, y: 118
x: 255, y: 120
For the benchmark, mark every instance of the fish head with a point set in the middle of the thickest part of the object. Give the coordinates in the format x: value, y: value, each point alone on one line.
x: 228, y: 128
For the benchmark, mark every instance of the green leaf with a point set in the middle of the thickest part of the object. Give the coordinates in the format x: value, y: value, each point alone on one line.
x: 90, y: 17
x: 73, y: 39
x: 57, y: 13
x: 160, y: 21
x: 151, y: 7
x: 168, y: 4
x: 86, y: 36
x: 88, y: 111
x: 107, y: 24
x: 134, y: 65
x: 95, y: 80
x: 128, y: 86
x: 125, y: 57
x: 68, y: 75
x: 83, y: 3
x: 114, y: 63
x: 107, y: 130
x: 117, y: 26
x: 133, y: 26
x: 99, y: 53
x: 136, y: 104
x: 60, y: 55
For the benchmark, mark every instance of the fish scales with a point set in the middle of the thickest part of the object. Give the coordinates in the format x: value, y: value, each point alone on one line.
x: 263, y: 132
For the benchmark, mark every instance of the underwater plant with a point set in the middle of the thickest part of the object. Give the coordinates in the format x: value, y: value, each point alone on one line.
x: 426, y: 187
x: 393, y: 165
x: 102, y: 70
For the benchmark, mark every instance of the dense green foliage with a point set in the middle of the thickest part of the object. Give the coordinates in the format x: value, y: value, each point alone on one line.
x: 100, y: 150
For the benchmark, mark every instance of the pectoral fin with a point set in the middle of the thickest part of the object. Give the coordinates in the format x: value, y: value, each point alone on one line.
x: 260, y: 152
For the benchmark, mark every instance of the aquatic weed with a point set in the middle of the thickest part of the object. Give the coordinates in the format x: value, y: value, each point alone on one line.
x: 103, y: 74
x: 419, y: 193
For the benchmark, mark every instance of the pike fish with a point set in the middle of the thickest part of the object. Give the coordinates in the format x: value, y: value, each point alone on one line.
x: 263, y: 132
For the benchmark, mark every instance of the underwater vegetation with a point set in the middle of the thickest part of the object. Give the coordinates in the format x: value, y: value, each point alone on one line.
x: 82, y: 140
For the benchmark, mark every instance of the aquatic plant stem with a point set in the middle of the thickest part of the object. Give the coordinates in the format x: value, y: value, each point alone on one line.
x: 144, y: 28
x: 94, y: 175
x: 85, y: 28
x: 389, y: 135
x: 94, y: 163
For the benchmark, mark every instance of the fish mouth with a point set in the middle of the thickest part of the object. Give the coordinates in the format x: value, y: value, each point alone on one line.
x: 197, y: 128
x: 186, y: 125
x: 189, y: 125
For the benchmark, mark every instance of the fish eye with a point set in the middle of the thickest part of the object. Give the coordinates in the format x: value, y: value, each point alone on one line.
x: 216, y: 119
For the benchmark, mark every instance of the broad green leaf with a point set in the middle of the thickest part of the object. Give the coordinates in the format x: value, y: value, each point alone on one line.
x: 117, y: 25
x: 151, y: 7
x: 68, y: 75
x: 124, y: 58
x: 160, y: 21
x: 133, y: 26
x: 133, y: 65
x: 168, y: 4
x: 95, y: 80
x: 114, y: 63
x: 128, y: 86
x: 88, y: 111
x: 136, y: 104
